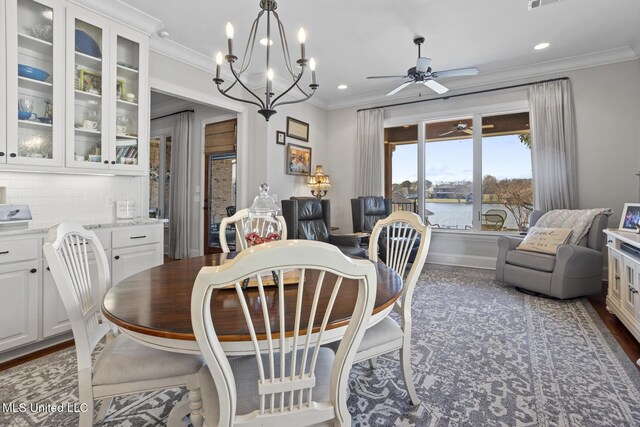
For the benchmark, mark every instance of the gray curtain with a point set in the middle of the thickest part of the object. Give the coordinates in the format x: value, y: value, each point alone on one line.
x: 370, y: 153
x: 553, y: 145
x: 179, y: 190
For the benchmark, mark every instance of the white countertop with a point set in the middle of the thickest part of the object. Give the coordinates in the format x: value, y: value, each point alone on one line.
x: 40, y: 228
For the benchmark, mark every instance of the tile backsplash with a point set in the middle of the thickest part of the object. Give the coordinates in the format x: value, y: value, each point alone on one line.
x: 87, y: 199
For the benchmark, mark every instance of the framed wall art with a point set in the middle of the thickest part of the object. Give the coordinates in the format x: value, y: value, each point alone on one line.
x: 298, y: 160
x: 297, y: 129
x: 280, y: 137
x: 90, y: 82
x: 630, y: 220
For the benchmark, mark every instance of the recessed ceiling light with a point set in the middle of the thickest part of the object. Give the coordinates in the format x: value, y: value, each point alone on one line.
x: 541, y: 46
x: 263, y: 42
x: 342, y: 87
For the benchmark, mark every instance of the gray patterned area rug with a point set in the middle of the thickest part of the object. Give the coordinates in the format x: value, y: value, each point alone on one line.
x: 483, y: 355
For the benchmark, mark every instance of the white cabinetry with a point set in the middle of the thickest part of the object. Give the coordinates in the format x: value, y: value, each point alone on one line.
x: 623, y: 298
x: 135, y: 249
x: 89, y: 110
x: 20, y: 291
x: 31, y: 310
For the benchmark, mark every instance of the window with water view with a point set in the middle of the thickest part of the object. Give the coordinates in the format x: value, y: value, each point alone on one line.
x: 450, y: 181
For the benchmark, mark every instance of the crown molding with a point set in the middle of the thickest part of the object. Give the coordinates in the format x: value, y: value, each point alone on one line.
x: 605, y: 57
x: 124, y: 14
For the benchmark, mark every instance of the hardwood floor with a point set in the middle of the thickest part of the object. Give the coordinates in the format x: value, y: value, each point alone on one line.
x: 627, y: 341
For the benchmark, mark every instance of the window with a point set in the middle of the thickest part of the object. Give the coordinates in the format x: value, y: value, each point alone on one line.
x: 507, y: 189
x: 401, y: 150
x: 486, y: 155
x: 159, y: 175
x: 449, y: 174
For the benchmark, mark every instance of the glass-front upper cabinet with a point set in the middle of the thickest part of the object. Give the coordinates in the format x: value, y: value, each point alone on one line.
x: 88, y: 93
x: 35, y: 78
x: 129, y: 100
x: 108, y: 101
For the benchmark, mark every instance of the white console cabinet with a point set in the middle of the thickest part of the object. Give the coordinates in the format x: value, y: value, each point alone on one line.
x: 32, y: 314
x: 623, y: 296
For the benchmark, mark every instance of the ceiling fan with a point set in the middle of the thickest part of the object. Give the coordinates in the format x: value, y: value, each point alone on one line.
x: 422, y: 74
x: 463, y: 127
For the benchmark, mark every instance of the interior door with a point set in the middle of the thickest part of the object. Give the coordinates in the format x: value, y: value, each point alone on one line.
x: 220, y: 165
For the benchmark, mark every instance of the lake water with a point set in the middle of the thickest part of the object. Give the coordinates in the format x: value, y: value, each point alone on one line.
x: 459, y: 215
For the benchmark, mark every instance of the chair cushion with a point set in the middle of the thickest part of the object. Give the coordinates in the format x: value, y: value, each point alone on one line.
x: 532, y: 260
x: 353, y: 251
x: 245, y: 372
x: 374, y: 210
x: 381, y: 333
x: 309, y: 209
x: 314, y: 229
x: 124, y: 360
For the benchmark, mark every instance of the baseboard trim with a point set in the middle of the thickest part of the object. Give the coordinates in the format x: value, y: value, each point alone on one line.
x: 474, y: 261
x: 27, y: 353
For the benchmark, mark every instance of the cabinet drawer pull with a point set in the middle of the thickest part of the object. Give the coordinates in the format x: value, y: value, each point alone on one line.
x: 106, y: 162
x: 48, y: 269
x: 617, y: 277
x: 609, y: 241
x: 113, y: 162
x: 13, y: 154
x: 4, y: 252
x: 1, y: 153
x: 117, y: 257
x: 33, y: 270
x: 137, y: 237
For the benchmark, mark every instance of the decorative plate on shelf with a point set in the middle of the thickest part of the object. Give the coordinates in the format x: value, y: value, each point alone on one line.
x: 32, y: 72
x: 87, y: 45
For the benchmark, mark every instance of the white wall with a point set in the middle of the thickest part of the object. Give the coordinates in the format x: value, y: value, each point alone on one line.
x: 607, y: 105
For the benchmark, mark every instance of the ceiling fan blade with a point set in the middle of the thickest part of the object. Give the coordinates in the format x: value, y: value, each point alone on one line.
x: 385, y: 77
x: 448, y: 133
x: 458, y: 72
x: 399, y: 88
x: 487, y: 126
x: 436, y: 87
x: 423, y: 64
x: 468, y: 131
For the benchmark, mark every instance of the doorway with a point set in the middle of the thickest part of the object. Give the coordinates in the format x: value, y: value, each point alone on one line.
x: 220, y: 184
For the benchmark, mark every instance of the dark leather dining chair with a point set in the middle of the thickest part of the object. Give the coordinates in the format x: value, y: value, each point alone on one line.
x: 309, y: 218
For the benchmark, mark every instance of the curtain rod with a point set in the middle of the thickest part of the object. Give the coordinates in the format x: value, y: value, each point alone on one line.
x: 464, y: 94
x: 173, y: 114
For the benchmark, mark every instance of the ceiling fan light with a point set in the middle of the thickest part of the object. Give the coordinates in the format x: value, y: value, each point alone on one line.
x: 342, y: 86
x: 541, y: 46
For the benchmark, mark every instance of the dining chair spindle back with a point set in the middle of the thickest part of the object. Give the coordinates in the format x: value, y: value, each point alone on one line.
x: 291, y: 379
x: 123, y: 366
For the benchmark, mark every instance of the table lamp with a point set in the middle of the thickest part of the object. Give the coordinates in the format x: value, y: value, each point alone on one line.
x: 319, y: 183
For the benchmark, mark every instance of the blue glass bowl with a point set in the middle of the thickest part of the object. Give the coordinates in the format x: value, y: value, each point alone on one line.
x: 87, y: 45
x: 32, y: 73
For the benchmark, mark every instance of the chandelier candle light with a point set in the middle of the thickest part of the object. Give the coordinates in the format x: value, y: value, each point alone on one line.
x: 319, y: 183
x: 270, y: 102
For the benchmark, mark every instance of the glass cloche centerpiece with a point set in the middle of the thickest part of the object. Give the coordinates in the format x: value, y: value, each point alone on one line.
x: 262, y: 225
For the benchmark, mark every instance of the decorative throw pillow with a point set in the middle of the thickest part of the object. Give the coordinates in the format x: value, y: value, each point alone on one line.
x: 545, y: 240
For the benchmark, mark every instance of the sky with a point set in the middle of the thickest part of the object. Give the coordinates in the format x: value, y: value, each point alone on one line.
x: 502, y: 157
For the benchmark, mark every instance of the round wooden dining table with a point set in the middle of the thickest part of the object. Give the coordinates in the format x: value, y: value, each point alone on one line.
x: 154, y: 306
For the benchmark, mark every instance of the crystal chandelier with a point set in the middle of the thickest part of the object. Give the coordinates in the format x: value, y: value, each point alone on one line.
x: 271, y: 101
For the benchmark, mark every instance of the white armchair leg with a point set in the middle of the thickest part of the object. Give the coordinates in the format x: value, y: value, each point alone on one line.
x: 104, y: 407
x: 405, y: 361
x: 195, y: 399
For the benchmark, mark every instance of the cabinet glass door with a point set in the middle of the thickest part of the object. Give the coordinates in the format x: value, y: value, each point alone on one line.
x: 36, y: 67
x: 88, y: 122
x: 127, y: 103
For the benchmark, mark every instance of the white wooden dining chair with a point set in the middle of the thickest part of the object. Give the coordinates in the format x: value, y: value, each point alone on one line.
x: 239, y: 219
x: 123, y: 366
x: 401, y: 231
x: 290, y: 380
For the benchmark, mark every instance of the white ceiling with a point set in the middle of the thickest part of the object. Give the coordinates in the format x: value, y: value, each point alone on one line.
x: 353, y: 39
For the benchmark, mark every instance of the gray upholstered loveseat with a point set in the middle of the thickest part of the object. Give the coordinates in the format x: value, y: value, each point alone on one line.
x: 575, y: 270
